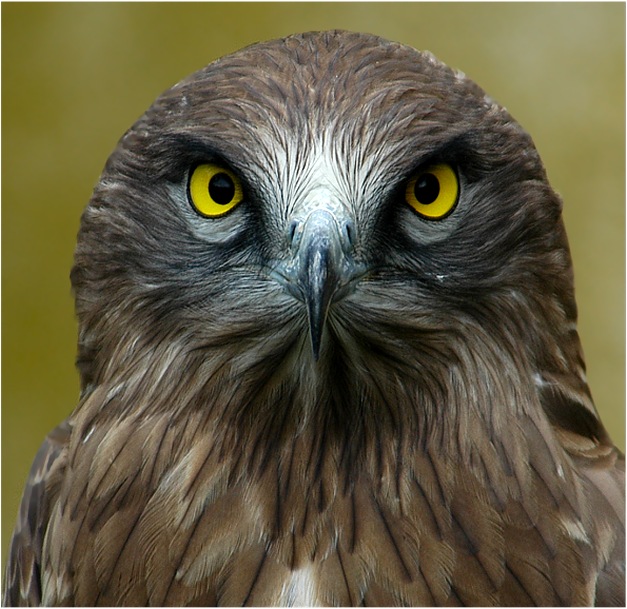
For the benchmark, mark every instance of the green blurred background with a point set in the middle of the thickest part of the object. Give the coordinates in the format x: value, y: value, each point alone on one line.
x: 76, y: 76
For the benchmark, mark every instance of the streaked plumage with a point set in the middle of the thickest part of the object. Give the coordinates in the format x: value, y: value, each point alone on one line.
x: 320, y: 396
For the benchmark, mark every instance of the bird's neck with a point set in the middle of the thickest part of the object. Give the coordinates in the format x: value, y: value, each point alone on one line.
x: 325, y: 428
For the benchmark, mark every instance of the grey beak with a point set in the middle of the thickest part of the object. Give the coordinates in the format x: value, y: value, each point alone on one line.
x: 323, y: 265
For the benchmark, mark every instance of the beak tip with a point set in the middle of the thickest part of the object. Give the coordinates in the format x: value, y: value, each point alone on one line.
x: 315, y: 335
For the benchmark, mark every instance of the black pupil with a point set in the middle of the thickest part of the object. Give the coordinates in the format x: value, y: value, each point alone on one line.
x: 221, y: 188
x: 427, y: 188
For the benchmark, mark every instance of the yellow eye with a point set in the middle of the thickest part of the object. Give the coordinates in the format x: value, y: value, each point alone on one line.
x: 433, y: 191
x: 214, y: 190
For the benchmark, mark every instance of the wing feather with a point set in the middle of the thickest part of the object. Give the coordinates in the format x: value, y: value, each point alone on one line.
x: 23, y: 577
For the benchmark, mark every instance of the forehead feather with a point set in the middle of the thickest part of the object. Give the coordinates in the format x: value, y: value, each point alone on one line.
x: 368, y: 101
x: 316, y: 82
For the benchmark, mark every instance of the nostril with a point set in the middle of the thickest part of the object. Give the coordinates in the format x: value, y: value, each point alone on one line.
x: 291, y: 236
x: 349, y: 234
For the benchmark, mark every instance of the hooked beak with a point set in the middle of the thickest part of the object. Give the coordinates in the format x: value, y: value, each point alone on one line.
x: 321, y: 267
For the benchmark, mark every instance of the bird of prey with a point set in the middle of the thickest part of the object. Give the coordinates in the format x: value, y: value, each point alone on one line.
x: 328, y: 355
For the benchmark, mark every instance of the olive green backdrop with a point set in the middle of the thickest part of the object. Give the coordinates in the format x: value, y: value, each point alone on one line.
x: 76, y: 76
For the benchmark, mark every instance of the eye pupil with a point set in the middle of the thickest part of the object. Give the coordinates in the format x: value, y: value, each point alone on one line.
x: 221, y: 188
x: 427, y: 188
x: 433, y: 191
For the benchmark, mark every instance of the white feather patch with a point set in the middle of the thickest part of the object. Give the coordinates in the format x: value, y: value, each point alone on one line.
x: 300, y: 589
x: 575, y: 530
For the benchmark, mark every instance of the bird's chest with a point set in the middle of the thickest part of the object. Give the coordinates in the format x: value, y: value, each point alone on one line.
x: 135, y: 530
